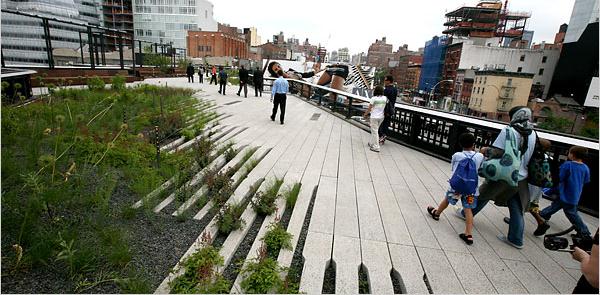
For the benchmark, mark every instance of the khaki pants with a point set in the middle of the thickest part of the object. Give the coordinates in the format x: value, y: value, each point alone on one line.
x: 375, y: 122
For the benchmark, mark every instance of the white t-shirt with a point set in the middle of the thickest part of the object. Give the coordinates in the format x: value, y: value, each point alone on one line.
x: 500, y: 143
x: 459, y: 156
x: 378, y: 103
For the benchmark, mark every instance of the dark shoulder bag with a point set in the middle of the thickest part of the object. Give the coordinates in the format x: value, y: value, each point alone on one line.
x: 538, y: 169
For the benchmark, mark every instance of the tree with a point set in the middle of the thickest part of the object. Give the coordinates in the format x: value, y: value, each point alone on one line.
x: 556, y: 124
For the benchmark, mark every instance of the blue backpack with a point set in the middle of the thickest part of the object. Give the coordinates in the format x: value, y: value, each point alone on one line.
x: 464, y: 180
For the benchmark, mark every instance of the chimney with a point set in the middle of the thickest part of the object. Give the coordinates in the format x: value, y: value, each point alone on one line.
x: 383, y: 39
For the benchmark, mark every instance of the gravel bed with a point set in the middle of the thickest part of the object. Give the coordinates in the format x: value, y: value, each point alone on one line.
x: 396, y: 281
x: 363, y: 281
x: 329, y: 279
x: 231, y: 271
x: 295, y: 270
x: 219, y: 240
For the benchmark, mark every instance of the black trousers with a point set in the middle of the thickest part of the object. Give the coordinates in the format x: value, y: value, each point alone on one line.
x: 200, y: 78
x: 190, y: 78
x: 245, y: 86
x: 222, y: 85
x: 383, y: 128
x: 279, y: 101
x: 213, y: 78
x: 258, y: 87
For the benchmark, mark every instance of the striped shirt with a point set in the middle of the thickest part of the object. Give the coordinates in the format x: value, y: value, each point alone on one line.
x: 280, y: 86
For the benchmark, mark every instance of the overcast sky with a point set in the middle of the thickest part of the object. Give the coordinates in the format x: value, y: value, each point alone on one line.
x: 356, y: 24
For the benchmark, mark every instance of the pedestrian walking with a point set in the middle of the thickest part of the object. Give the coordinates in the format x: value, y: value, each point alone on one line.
x: 258, y: 82
x: 573, y: 175
x: 243, y: 75
x: 213, y: 76
x: 222, y: 80
x: 200, y: 78
x: 463, y: 184
x: 509, y: 158
x: 278, y: 96
x: 390, y: 93
x: 190, y: 73
x: 376, y: 109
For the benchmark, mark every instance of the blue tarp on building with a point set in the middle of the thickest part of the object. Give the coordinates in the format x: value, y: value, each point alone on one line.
x: 433, y: 62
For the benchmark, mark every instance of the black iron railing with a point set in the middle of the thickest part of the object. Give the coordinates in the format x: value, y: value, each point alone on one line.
x: 436, y: 132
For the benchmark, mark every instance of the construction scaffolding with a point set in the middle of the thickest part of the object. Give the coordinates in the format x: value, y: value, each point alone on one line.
x: 487, y: 19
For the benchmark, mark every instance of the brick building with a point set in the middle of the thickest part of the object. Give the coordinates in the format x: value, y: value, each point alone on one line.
x: 380, y: 53
x: 273, y: 51
x: 216, y: 44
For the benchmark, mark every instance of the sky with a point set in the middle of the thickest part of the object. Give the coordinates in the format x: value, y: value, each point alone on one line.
x: 356, y: 24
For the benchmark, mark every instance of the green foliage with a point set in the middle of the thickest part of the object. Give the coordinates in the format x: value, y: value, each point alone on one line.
x: 230, y: 153
x: 590, y: 128
x: 134, y: 285
x: 219, y: 186
x: 261, y: 276
x: 95, y: 83
x: 202, y: 151
x: 277, y: 238
x: 229, y: 218
x: 264, y: 202
x: 200, y: 274
x: 118, y: 82
x: 556, y: 124
x: 158, y: 60
x: 291, y: 195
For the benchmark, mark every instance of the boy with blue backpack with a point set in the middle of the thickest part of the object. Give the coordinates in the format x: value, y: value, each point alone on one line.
x: 463, y: 184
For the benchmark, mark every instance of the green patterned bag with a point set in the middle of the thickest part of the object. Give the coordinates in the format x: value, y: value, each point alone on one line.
x: 505, y: 168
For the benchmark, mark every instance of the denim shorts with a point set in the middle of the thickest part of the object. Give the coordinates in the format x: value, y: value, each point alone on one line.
x: 467, y: 201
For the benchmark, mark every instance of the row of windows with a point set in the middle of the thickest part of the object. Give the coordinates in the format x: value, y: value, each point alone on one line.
x: 479, y: 79
x: 39, y: 36
x: 544, y: 58
x: 165, y: 9
x: 482, y: 90
x: 204, y: 48
x: 167, y: 2
x: 23, y: 47
x: 25, y: 59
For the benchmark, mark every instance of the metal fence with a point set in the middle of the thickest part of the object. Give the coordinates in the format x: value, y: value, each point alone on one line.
x: 436, y: 132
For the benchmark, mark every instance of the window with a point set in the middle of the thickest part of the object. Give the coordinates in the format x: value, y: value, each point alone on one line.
x: 477, y: 90
x: 541, y: 72
x: 483, y: 90
x: 522, y: 58
x: 206, y: 14
x: 484, y: 80
x: 200, y: 48
x: 139, y: 32
x: 161, y: 33
x: 148, y: 33
x: 544, y: 59
x: 519, y: 69
x: 509, y: 82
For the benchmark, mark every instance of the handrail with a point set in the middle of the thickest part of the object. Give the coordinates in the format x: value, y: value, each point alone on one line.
x: 572, y: 140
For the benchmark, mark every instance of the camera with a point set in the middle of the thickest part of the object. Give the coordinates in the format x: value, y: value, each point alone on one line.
x: 556, y: 243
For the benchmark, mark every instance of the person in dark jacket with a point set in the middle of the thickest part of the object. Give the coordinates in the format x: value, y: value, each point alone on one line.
x: 213, y: 75
x: 243, y: 74
x: 258, y: 81
x: 190, y: 73
x: 391, y: 93
x: 222, y: 80
x: 200, y: 75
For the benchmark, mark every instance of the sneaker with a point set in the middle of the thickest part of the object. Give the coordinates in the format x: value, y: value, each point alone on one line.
x: 504, y: 239
x: 272, y: 118
x: 374, y: 149
x: 370, y: 145
x: 458, y: 213
x: 541, y: 229
x: 382, y: 139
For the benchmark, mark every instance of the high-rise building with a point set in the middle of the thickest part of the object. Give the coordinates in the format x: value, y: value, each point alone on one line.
x: 433, y: 62
x: 359, y: 58
x: 252, y: 37
x: 577, y: 68
x: 344, y: 55
x: 23, y: 40
x: 117, y: 15
x: 380, y: 53
x: 167, y: 21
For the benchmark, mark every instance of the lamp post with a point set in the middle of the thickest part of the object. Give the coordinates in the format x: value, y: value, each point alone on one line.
x: 433, y: 88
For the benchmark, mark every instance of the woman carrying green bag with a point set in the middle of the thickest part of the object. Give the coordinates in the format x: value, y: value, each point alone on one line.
x: 506, y: 173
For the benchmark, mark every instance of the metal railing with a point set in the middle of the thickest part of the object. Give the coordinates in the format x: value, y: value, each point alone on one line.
x: 436, y: 132
x: 105, y: 46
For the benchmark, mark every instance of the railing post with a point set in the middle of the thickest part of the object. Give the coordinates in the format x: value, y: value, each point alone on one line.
x: 121, y: 52
x: 48, y: 43
x: 320, y: 98
x: 140, y: 52
x: 81, y: 48
x: 102, y: 49
x: 98, y: 61
x: 349, y: 113
x: 415, y: 128
x: 133, y: 54
x: 2, y: 57
x: 91, y: 47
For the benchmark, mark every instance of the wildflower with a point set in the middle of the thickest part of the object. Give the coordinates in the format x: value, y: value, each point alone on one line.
x: 124, y: 126
x: 111, y: 145
x: 78, y: 138
x: 46, y: 160
x: 140, y: 135
x: 59, y: 119
x: 47, y: 131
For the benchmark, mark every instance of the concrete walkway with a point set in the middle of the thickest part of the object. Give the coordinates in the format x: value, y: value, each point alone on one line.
x: 370, y: 209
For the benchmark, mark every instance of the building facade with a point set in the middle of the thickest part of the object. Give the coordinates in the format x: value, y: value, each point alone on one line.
x: 118, y: 15
x: 495, y: 92
x: 216, y: 44
x: 167, y: 21
x: 380, y: 53
x: 433, y: 63
x: 344, y: 55
x: 23, y: 39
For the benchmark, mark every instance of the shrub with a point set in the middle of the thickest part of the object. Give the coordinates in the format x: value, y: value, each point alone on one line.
x: 264, y: 202
x: 117, y: 82
x: 277, y: 238
x: 95, y: 83
x: 261, y: 275
x: 219, y: 186
x: 229, y: 218
x: 230, y: 153
x: 202, y: 150
x: 200, y: 274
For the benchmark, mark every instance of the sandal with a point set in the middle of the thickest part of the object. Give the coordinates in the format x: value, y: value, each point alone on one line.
x: 467, y: 238
x: 433, y: 212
